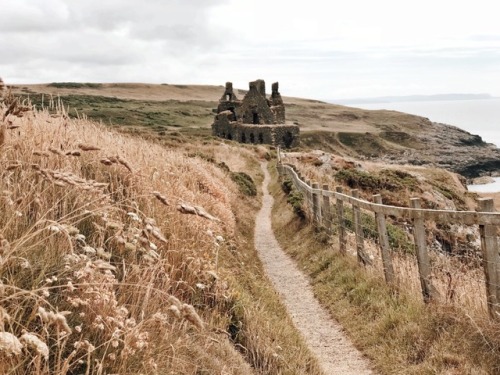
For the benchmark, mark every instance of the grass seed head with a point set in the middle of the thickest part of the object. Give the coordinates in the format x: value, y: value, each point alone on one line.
x: 192, y: 316
x: 10, y: 344
x: 33, y: 342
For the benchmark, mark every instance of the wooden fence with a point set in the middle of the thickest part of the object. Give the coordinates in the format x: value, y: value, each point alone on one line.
x: 319, y: 203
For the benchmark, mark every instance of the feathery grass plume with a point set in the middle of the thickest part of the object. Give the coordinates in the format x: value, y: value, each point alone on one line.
x: 10, y: 344
x: 106, y: 161
x: 191, y: 316
x: 161, y: 198
x: 56, y: 151
x: 33, y: 342
x: 125, y: 163
x: 195, y: 210
x: 86, y: 147
x: 58, y: 319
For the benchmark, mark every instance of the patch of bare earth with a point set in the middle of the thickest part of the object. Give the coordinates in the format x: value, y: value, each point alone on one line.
x: 325, y: 337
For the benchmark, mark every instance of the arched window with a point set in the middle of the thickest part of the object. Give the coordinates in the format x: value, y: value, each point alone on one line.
x: 252, y: 138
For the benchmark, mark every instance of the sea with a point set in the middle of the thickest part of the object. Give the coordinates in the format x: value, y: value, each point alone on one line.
x: 477, y: 116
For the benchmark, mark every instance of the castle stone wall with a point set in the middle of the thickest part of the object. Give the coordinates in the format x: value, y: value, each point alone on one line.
x: 286, y: 136
x: 255, y: 119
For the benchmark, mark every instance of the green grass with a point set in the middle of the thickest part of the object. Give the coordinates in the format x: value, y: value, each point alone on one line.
x: 363, y: 144
x: 74, y: 85
x: 156, y: 116
x: 245, y: 183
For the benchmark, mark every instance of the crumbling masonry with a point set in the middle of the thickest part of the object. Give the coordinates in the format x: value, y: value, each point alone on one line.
x: 256, y: 118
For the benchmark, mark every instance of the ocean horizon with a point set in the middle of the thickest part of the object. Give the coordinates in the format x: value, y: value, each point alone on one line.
x: 477, y: 116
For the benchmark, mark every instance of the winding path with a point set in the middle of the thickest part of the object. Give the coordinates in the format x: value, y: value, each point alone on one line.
x: 325, y: 338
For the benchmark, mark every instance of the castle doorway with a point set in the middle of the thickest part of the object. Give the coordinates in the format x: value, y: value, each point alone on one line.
x: 287, y: 139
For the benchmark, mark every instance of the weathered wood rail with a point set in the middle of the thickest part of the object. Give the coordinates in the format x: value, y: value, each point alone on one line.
x: 320, y: 206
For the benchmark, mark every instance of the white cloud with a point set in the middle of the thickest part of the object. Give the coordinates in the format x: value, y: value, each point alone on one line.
x: 318, y: 48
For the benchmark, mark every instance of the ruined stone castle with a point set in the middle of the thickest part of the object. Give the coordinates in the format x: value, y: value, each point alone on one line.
x: 256, y: 118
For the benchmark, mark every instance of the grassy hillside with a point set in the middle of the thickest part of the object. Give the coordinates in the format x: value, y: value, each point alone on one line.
x: 177, y: 112
x: 183, y: 106
x: 121, y: 255
x: 134, y: 254
x: 392, y: 326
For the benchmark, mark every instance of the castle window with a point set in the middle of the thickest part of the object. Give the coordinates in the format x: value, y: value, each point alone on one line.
x: 233, y: 117
x: 252, y: 138
x: 256, y: 118
x: 228, y: 97
x: 261, y: 138
x: 243, y: 138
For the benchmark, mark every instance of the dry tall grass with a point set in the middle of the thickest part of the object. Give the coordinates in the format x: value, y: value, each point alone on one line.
x: 98, y: 275
x: 454, y: 249
x: 400, y: 333
x: 119, y: 255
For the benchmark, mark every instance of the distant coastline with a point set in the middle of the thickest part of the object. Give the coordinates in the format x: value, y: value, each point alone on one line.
x: 477, y: 116
x: 412, y: 98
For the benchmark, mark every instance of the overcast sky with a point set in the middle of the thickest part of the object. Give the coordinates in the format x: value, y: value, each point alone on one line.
x: 323, y: 49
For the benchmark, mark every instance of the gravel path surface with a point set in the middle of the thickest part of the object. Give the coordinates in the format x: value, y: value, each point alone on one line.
x: 324, y: 336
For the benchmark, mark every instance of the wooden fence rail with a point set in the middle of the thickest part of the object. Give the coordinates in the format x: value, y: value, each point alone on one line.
x: 318, y: 200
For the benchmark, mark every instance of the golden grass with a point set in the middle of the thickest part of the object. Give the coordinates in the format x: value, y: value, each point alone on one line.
x: 101, y: 272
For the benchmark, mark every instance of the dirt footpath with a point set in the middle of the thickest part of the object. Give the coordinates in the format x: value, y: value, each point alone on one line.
x: 324, y: 336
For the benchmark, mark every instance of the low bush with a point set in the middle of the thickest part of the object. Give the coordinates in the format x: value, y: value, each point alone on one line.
x: 245, y: 183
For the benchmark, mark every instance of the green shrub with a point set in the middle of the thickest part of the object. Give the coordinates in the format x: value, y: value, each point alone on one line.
x: 387, y: 179
x: 244, y: 182
x: 296, y: 200
x: 287, y: 186
x: 74, y: 85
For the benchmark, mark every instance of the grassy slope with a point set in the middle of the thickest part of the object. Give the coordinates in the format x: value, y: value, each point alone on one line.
x: 189, y: 106
x: 145, y: 288
x: 175, y: 113
x: 401, y: 327
x: 397, y: 331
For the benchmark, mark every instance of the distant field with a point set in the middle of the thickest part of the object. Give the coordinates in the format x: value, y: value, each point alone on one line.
x: 191, y: 105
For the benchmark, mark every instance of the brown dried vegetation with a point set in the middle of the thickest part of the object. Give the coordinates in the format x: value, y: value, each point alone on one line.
x: 101, y: 273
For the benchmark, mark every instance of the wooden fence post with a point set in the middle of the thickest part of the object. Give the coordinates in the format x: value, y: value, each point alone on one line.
x: 491, y: 259
x: 340, y: 219
x: 309, y: 197
x: 326, y: 212
x: 358, y: 230
x: 384, y: 243
x: 424, y: 268
x: 315, y: 202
